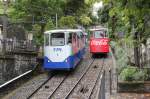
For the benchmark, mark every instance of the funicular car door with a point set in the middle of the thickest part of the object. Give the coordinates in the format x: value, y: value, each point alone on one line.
x: 74, y: 43
x: 82, y: 40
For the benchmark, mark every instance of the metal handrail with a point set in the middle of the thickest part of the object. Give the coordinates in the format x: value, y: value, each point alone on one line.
x: 9, y: 45
x: 101, y: 90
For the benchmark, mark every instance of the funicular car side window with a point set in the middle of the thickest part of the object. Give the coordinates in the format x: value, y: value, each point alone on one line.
x: 74, y: 37
x: 70, y: 38
x: 57, y: 39
x: 92, y: 34
x: 81, y: 34
x: 78, y: 39
x: 46, y: 36
x: 98, y: 34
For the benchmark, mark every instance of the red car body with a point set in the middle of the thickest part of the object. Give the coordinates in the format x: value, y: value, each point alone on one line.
x: 99, y: 42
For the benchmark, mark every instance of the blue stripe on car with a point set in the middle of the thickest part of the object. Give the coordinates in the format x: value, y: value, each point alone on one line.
x: 69, y: 63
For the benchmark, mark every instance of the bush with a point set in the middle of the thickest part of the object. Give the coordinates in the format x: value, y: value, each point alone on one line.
x: 133, y: 74
x: 121, y: 56
x: 127, y: 74
x: 140, y: 75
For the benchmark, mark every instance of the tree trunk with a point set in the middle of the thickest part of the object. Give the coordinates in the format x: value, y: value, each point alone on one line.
x: 42, y: 28
x: 145, y: 55
x: 136, y: 56
x: 136, y: 50
x: 113, y: 26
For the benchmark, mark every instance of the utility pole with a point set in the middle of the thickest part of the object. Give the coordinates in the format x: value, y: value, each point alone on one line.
x: 4, y: 18
x: 56, y: 21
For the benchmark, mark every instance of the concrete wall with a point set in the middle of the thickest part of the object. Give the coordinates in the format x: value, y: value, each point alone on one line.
x: 16, y: 64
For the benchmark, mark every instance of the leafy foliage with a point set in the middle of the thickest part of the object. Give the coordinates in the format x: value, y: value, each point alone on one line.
x: 126, y: 71
x: 30, y: 13
x: 124, y: 15
x: 38, y: 37
x: 68, y: 21
x: 121, y: 56
x: 140, y: 75
x: 130, y: 17
x: 49, y: 25
x: 133, y: 73
x: 85, y: 20
x: 127, y: 74
x: 89, y: 2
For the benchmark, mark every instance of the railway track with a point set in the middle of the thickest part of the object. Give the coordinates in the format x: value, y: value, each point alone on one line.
x: 60, y: 93
x: 85, y: 87
x: 82, y: 80
x: 58, y: 81
x: 45, y: 84
x: 55, y: 82
x: 79, y: 83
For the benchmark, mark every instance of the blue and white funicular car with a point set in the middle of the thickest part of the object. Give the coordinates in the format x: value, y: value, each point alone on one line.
x: 63, y: 48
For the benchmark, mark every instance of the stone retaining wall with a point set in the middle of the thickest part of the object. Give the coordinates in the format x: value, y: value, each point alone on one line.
x: 16, y: 64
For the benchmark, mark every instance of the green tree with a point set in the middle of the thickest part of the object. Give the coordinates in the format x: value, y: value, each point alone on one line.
x: 42, y: 13
x: 37, y: 12
x: 85, y: 20
x: 67, y: 22
x: 131, y: 17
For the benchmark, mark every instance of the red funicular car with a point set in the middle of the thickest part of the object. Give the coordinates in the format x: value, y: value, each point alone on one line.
x: 99, y: 42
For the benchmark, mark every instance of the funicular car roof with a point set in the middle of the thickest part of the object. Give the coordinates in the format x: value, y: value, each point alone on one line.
x: 63, y: 31
x: 96, y: 29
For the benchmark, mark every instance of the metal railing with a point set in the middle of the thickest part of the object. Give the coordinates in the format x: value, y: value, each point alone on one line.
x: 101, y: 89
x: 9, y: 45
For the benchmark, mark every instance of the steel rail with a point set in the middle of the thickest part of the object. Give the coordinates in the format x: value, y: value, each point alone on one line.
x: 59, y: 85
x: 99, y: 75
x: 53, y: 74
x: 66, y: 97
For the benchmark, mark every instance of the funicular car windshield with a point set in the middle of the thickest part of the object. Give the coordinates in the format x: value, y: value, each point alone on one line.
x: 57, y: 39
x: 98, y: 34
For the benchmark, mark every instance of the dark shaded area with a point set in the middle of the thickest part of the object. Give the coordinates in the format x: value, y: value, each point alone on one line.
x: 73, y: 6
x: 100, y: 55
x: 16, y: 31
